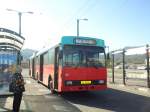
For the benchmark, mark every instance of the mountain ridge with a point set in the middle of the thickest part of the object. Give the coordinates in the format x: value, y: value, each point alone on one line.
x: 27, y: 53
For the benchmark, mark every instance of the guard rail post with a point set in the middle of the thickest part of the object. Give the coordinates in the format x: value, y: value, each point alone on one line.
x: 147, y: 57
x: 123, y: 66
x: 113, y: 68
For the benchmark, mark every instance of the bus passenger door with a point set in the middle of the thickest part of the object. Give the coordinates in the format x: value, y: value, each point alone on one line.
x: 33, y: 68
x: 41, y: 67
x: 56, y: 68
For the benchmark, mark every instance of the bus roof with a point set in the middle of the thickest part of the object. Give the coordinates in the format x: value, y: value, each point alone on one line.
x: 74, y: 40
x: 82, y: 41
x: 45, y: 49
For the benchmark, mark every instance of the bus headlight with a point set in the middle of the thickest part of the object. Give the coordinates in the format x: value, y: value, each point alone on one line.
x: 68, y: 82
x: 101, y: 81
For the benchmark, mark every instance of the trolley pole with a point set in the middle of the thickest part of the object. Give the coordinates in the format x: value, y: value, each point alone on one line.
x: 148, y: 75
x: 113, y: 68
x: 123, y: 66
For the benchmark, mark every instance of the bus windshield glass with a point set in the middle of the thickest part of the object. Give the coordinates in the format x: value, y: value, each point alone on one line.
x: 84, y: 56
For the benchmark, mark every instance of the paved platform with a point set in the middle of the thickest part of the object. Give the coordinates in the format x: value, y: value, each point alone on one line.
x: 131, y: 89
x: 32, y: 89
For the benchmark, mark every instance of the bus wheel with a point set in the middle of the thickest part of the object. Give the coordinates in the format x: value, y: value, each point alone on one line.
x: 50, y: 85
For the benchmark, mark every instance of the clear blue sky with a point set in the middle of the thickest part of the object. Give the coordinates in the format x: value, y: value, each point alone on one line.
x: 119, y: 22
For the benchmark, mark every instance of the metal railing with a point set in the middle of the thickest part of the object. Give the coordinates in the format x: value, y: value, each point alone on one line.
x: 123, y: 51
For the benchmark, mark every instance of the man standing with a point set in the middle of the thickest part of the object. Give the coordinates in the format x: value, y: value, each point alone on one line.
x: 18, y: 88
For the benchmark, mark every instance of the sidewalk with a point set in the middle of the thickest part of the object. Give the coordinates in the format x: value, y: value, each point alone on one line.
x: 6, y: 104
x: 35, y: 92
x: 132, y: 89
x: 32, y: 89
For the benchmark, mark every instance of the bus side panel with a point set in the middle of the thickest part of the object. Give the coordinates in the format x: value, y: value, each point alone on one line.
x: 30, y: 68
x: 33, y: 68
x: 37, y: 68
x: 47, y: 70
x: 45, y: 74
x: 41, y: 68
x: 48, y: 66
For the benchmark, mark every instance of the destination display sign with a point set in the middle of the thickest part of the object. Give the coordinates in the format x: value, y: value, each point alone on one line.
x: 85, y: 41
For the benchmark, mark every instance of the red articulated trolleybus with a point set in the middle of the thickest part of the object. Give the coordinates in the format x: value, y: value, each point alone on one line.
x: 75, y: 64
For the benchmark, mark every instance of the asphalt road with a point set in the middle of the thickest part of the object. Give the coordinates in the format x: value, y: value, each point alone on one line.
x: 38, y: 99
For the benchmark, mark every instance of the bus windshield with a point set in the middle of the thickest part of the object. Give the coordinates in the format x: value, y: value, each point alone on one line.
x: 86, y: 56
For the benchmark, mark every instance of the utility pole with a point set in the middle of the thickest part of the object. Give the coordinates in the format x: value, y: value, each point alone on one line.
x: 78, y: 20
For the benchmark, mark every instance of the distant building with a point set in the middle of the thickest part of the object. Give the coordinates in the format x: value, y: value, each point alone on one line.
x: 141, y: 68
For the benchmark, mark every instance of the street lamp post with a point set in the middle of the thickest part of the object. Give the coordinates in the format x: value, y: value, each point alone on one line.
x: 78, y: 25
x: 20, y: 15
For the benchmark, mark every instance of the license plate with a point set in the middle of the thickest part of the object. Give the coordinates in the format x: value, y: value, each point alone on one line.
x: 85, y: 82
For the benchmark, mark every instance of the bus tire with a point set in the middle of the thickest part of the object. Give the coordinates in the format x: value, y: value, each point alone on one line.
x: 50, y: 85
x: 49, y: 79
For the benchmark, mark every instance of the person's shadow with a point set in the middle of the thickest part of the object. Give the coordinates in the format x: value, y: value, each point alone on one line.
x: 5, y: 109
x: 2, y: 109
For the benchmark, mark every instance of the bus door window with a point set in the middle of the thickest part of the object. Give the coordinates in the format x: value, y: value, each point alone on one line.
x: 56, y: 68
x: 41, y: 67
x: 60, y: 58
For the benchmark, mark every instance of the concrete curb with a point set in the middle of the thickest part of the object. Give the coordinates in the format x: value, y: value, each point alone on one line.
x: 142, y: 89
x: 7, y: 94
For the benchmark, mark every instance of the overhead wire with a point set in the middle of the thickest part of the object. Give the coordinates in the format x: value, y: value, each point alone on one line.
x: 79, y: 10
x: 69, y: 22
x: 90, y: 7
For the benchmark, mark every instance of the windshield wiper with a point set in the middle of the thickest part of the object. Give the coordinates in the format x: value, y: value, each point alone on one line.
x: 94, y: 65
x: 76, y: 66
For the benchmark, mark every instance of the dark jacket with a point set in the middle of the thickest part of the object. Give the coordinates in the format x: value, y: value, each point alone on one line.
x: 17, y: 83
